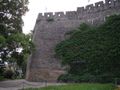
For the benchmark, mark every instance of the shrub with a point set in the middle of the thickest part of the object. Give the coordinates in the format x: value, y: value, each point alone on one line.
x: 69, y: 78
x: 8, y: 74
x: 1, y: 78
x: 98, y: 47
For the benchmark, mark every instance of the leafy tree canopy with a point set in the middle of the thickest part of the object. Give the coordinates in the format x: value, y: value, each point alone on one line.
x: 93, y: 50
x: 11, y: 12
x: 14, y: 45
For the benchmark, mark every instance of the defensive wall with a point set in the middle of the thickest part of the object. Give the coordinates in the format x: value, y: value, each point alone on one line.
x: 50, y: 29
x: 90, y: 13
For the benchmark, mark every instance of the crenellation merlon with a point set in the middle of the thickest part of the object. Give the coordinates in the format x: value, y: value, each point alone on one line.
x: 40, y: 15
x: 82, y: 12
x: 71, y: 14
x: 89, y: 8
x: 117, y: 3
x: 80, y: 9
x: 48, y: 14
x: 59, y: 14
x: 99, y: 6
x: 109, y: 4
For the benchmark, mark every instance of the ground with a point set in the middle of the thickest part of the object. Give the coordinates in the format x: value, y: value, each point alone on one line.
x: 20, y: 84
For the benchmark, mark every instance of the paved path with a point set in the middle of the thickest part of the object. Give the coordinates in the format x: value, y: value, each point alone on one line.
x: 20, y: 84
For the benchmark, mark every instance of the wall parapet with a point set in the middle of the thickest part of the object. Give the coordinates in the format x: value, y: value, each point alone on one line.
x: 81, y: 11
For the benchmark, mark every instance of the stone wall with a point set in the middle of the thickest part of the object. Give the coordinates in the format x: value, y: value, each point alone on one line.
x: 50, y: 29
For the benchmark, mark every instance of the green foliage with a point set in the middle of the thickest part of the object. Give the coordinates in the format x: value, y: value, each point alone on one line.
x: 8, y: 74
x: 2, y: 41
x: 11, y: 12
x: 69, y: 78
x: 86, y: 77
x: 15, y: 46
x: 21, y: 41
x: 93, y: 51
x: 83, y: 86
x: 1, y: 73
x: 1, y: 78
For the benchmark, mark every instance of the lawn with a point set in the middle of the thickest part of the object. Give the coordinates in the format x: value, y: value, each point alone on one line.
x: 83, y: 86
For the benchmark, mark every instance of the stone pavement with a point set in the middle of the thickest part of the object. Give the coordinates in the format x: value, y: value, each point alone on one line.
x: 21, y: 84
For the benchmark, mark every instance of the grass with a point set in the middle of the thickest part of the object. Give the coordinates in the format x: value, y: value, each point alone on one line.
x: 83, y: 86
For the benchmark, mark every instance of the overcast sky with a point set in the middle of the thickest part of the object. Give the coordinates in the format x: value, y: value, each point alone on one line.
x: 41, y: 6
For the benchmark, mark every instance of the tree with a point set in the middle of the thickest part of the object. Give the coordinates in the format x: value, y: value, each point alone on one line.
x: 97, y: 47
x: 11, y: 12
x: 14, y: 45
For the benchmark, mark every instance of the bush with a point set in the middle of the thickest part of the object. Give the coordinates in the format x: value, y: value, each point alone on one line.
x: 97, y: 47
x: 8, y: 74
x: 1, y: 78
x: 1, y: 71
x: 69, y: 78
x: 87, y: 77
x: 65, y: 78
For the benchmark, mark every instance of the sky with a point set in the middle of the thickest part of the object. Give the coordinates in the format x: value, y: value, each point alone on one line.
x: 41, y: 6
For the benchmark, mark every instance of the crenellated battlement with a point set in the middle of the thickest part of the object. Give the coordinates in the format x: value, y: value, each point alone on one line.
x: 82, y: 11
